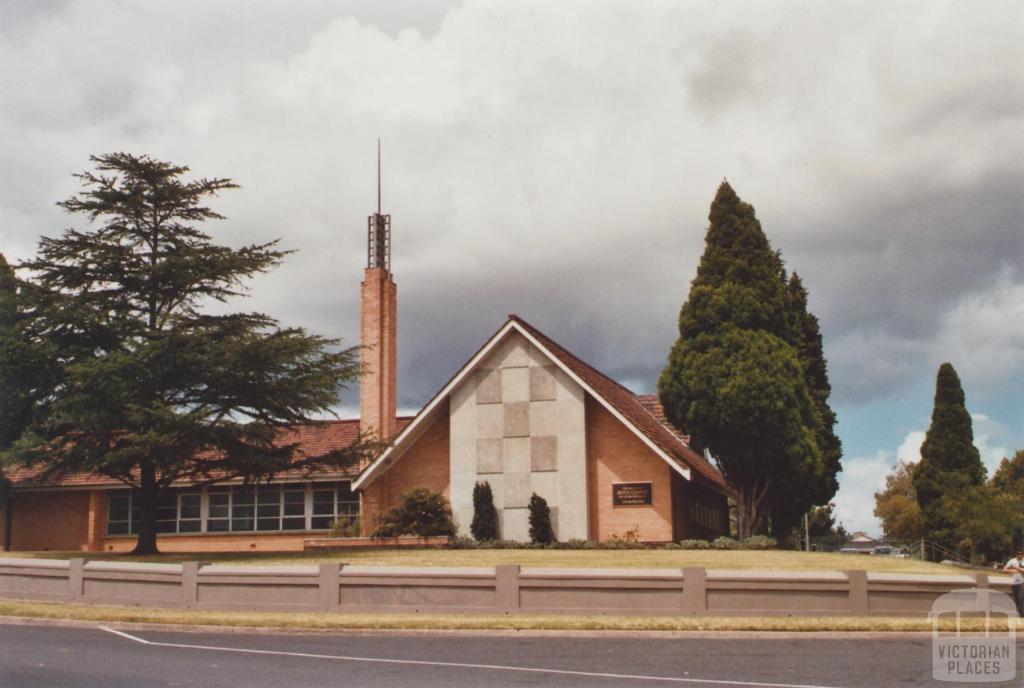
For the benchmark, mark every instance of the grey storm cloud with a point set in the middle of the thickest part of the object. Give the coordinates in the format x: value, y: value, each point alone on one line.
x: 557, y: 160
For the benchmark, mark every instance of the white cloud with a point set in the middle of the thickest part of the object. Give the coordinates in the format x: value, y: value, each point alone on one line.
x: 860, y: 479
x: 983, y: 335
x: 910, y: 449
x: 558, y: 159
x: 987, y: 434
x: 865, y: 475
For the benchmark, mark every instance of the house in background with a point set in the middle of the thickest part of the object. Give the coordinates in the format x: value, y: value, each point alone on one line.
x: 523, y: 414
x: 860, y: 543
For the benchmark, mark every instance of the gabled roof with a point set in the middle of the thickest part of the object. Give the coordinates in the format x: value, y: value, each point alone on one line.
x: 312, y: 440
x: 644, y: 412
x: 634, y: 413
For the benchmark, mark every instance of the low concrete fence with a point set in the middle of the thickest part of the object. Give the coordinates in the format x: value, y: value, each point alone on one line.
x: 481, y: 590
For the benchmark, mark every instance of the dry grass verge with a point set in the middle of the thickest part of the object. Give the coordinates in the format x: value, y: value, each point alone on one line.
x: 342, y: 622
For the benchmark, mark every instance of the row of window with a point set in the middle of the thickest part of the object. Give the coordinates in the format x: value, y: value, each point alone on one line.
x: 238, y: 509
x: 707, y: 514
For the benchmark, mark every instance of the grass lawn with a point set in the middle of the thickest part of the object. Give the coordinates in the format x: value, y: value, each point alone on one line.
x: 342, y: 622
x: 778, y: 560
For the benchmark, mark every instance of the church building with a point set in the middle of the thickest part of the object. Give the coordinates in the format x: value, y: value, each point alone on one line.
x: 522, y: 414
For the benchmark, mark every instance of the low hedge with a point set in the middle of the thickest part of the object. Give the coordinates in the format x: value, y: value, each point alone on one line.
x: 757, y: 542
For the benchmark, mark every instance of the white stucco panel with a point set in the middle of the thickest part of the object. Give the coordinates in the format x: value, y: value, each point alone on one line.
x: 557, y: 417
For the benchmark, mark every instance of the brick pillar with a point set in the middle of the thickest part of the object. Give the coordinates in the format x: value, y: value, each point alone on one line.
x: 378, y: 327
x: 97, y: 523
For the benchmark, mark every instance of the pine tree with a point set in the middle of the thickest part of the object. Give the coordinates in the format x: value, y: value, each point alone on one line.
x: 13, y: 406
x: 949, y: 460
x: 733, y: 381
x: 27, y: 369
x: 485, y: 518
x: 153, y: 390
x: 540, y: 521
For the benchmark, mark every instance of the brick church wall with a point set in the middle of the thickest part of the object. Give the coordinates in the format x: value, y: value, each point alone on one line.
x: 425, y: 464
x: 616, y: 455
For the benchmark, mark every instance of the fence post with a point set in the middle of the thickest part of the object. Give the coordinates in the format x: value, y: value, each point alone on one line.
x: 695, y: 590
x: 329, y: 595
x: 858, y: 592
x: 190, y: 583
x: 983, y: 596
x: 506, y: 588
x: 76, y: 576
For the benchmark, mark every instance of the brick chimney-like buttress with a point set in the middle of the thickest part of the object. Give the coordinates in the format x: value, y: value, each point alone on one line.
x: 378, y: 329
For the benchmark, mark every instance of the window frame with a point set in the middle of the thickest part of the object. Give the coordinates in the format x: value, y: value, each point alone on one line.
x: 231, y: 506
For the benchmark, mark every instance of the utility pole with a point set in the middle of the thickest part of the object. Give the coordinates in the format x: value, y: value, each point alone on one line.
x: 807, y: 531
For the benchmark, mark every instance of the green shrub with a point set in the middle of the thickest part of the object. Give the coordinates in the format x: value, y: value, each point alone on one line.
x: 422, y: 512
x: 506, y: 544
x: 575, y: 543
x: 540, y: 521
x: 759, y: 542
x: 485, y: 518
x: 628, y: 541
x: 462, y: 542
x: 725, y: 543
x: 695, y: 544
x: 345, y: 527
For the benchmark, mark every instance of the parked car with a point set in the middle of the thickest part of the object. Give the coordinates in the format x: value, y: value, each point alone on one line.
x: 889, y: 551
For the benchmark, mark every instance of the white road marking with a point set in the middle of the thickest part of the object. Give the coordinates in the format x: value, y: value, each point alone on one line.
x: 125, y: 635
x: 461, y: 665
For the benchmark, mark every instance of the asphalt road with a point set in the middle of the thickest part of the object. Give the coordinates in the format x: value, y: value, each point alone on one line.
x: 32, y: 656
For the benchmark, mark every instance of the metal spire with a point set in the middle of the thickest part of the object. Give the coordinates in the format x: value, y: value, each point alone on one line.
x: 379, y: 230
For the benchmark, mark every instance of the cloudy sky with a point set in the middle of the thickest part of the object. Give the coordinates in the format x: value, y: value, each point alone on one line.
x: 557, y: 160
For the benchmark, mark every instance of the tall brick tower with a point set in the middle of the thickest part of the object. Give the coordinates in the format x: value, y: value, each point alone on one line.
x: 378, y: 328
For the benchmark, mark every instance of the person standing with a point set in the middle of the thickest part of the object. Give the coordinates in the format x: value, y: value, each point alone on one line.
x: 1016, y: 567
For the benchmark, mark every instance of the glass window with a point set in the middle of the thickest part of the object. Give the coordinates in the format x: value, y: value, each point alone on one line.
x: 119, y: 511
x: 294, y: 510
x: 190, y: 512
x: 243, y: 508
x: 218, y: 511
x: 268, y: 508
x: 323, y: 508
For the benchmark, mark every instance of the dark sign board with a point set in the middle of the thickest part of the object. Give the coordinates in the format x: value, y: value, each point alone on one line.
x: 631, y: 494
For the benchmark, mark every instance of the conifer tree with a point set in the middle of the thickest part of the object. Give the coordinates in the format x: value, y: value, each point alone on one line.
x: 485, y: 519
x: 152, y: 389
x: 13, y: 406
x: 733, y: 381
x: 949, y: 460
x: 540, y: 521
x: 27, y: 368
x: 817, y: 488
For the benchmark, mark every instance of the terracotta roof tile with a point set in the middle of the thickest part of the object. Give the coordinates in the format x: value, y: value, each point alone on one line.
x: 313, y: 440
x: 644, y: 412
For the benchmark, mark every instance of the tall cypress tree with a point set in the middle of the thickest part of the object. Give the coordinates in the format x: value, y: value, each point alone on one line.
x: 949, y: 460
x: 817, y: 488
x: 485, y: 519
x: 733, y: 381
